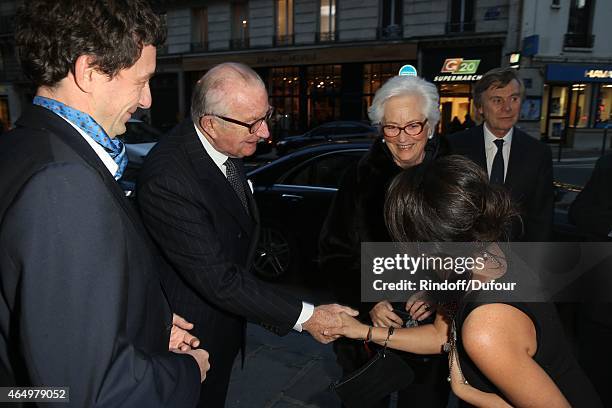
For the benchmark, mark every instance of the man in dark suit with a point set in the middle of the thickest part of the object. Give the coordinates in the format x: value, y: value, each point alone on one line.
x: 82, y: 305
x: 591, y: 211
x: 510, y: 156
x: 198, y: 207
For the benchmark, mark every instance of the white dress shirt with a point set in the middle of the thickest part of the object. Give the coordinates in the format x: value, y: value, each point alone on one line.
x: 97, y: 148
x: 220, y: 159
x: 491, y: 148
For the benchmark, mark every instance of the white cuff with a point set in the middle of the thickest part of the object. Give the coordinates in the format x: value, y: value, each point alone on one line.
x: 307, y: 311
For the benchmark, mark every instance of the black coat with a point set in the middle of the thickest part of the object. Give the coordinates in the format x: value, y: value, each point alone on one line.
x: 591, y: 211
x: 528, y: 178
x: 82, y: 305
x: 200, y: 226
x: 357, y: 215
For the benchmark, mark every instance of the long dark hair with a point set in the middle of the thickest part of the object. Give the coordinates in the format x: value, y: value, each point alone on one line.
x: 448, y: 200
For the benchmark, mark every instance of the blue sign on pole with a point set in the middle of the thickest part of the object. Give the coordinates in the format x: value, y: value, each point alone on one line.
x: 408, y: 70
x: 531, y: 45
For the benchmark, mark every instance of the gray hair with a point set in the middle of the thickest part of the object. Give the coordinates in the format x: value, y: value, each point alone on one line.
x: 402, y: 85
x: 210, y: 94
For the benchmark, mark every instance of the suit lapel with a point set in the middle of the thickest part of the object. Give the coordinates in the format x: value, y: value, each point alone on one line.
x: 41, y: 118
x: 517, y: 153
x: 213, y: 179
x: 479, y: 149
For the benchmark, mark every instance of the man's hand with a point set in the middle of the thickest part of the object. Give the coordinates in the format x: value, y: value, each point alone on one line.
x: 201, y: 357
x: 180, y: 338
x: 325, y: 323
x: 382, y: 315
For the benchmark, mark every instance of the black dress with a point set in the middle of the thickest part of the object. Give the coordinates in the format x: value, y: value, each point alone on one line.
x: 553, y: 353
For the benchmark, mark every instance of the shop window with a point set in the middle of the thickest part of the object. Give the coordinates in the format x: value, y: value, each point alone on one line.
x: 580, y: 24
x: 461, y: 16
x: 544, y: 111
x: 327, y: 21
x: 240, y: 28
x: 603, y: 115
x: 199, y: 29
x: 557, y: 110
x: 323, y: 84
x: 284, y: 90
x: 4, y: 114
x: 374, y: 75
x: 391, y: 19
x: 580, y: 105
x: 284, y: 22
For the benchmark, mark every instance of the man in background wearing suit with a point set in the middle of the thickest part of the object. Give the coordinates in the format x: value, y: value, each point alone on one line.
x: 82, y: 305
x: 198, y: 207
x: 591, y: 211
x: 511, y: 157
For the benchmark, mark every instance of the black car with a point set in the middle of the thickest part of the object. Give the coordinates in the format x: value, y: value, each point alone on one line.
x: 294, y: 194
x: 338, y: 131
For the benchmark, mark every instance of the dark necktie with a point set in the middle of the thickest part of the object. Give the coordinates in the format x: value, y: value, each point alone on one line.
x: 233, y: 176
x: 497, y: 169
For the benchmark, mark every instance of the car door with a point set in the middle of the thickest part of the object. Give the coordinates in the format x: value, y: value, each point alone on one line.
x: 294, y: 208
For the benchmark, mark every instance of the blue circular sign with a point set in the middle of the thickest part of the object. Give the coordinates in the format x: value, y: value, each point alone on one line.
x: 408, y: 70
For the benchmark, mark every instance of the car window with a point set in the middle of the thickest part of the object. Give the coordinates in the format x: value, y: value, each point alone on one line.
x: 140, y: 132
x: 352, y: 129
x: 324, y: 171
x: 325, y: 131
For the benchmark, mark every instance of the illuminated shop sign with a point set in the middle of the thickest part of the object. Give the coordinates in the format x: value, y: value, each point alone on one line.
x: 578, y: 73
x: 598, y: 73
x: 458, y: 69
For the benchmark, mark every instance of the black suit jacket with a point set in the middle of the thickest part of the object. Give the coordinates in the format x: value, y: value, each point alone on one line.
x: 82, y: 305
x: 528, y: 178
x: 591, y: 211
x: 198, y: 222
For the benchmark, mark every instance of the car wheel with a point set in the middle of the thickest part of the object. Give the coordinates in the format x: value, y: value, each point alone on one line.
x: 276, y: 254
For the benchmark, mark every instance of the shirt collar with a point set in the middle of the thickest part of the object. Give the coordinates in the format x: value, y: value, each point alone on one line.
x: 218, y: 157
x: 104, y: 156
x: 490, y: 137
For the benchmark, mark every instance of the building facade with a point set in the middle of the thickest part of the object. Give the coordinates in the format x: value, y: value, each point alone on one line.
x: 323, y: 60
x: 567, y: 65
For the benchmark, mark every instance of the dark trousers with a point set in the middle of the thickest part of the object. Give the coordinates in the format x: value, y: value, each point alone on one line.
x: 429, y: 389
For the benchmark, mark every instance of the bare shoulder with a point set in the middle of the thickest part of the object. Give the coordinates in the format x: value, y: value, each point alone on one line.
x: 498, y: 328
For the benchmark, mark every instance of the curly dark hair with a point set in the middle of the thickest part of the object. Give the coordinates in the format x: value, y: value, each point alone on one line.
x: 52, y: 34
x: 448, y: 200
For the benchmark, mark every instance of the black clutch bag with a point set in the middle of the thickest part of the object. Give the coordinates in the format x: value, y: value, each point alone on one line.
x: 383, y: 374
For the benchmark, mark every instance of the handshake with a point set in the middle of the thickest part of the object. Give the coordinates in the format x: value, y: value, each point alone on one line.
x: 328, y: 322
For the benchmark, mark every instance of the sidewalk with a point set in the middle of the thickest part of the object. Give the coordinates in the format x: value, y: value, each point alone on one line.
x: 283, y: 372
x: 571, y: 155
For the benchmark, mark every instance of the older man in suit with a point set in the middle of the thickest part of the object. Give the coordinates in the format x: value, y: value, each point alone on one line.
x: 511, y: 157
x: 82, y: 306
x: 197, y: 204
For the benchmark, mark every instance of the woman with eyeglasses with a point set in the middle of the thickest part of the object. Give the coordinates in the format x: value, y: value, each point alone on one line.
x: 506, y: 347
x: 406, y: 109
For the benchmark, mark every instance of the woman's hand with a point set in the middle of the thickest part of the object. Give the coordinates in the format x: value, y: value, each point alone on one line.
x: 352, y: 328
x: 382, y: 315
x: 420, y: 306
